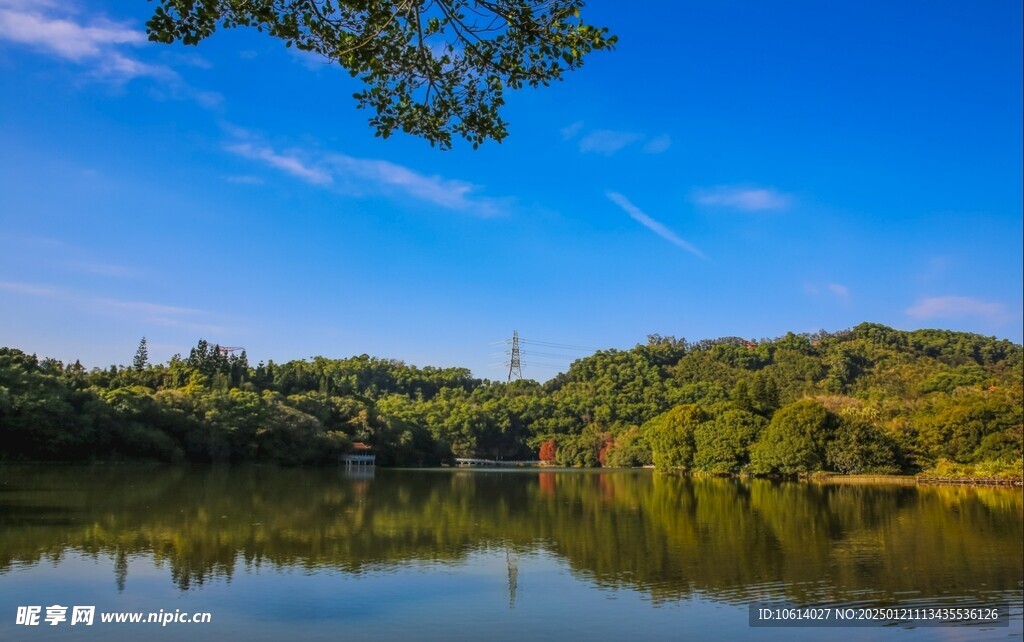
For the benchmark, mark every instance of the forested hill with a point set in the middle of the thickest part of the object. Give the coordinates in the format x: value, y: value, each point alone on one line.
x: 868, y: 399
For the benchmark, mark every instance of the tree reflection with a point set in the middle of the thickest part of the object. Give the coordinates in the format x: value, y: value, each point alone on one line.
x: 668, y: 536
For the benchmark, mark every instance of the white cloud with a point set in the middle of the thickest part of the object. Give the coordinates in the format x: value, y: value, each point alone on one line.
x: 101, y: 46
x: 192, y: 60
x: 658, y: 144
x: 958, y: 307
x: 655, y: 226
x: 28, y: 288
x: 155, y: 309
x: 102, y: 269
x: 448, y: 193
x: 571, y: 130
x: 311, y: 60
x: 62, y: 37
x: 120, y: 67
x: 97, y: 45
x: 208, y: 99
x: 38, y: 4
x: 236, y: 132
x: 607, y: 142
x: 290, y: 164
x: 362, y: 175
x: 610, y: 141
x: 748, y: 199
x: 155, y: 313
x: 839, y: 290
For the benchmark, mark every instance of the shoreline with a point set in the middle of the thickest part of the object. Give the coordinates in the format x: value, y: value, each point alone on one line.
x: 920, y: 479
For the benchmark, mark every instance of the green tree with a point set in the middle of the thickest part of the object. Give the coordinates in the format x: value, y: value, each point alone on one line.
x: 141, y: 359
x: 40, y: 418
x: 795, y: 441
x: 961, y: 426
x: 579, y: 451
x: 671, y: 436
x: 134, y: 426
x: 613, y: 388
x: 861, y: 447
x: 433, y: 68
x: 722, y: 445
x: 630, y: 450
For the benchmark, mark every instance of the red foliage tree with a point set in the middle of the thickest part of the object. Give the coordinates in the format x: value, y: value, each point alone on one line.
x: 607, y: 445
x: 547, y: 451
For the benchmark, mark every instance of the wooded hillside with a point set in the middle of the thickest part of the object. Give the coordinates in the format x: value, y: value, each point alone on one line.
x: 868, y: 399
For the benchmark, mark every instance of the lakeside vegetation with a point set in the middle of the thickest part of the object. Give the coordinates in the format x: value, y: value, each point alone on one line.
x: 866, y: 400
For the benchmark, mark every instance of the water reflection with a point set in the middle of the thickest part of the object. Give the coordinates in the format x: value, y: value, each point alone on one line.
x: 669, y: 537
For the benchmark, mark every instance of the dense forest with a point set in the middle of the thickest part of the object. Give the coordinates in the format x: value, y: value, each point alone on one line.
x: 866, y: 400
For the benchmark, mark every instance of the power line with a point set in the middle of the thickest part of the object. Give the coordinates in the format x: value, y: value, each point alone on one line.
x: 564, y: 346
x: 565, y: 352
x: 548, y: 344
x: 549, y: 354
x: 508, y: 353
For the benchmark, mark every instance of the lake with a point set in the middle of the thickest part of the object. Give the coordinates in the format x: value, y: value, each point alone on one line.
x: 383, y: 554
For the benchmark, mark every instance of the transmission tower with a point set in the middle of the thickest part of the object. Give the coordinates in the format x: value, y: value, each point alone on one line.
x: 515, y: 366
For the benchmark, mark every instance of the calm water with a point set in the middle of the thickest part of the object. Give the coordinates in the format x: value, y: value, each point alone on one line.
x: 453, y: 554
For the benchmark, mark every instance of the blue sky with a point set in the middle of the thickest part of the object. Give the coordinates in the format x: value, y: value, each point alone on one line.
x: 731, y: 169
